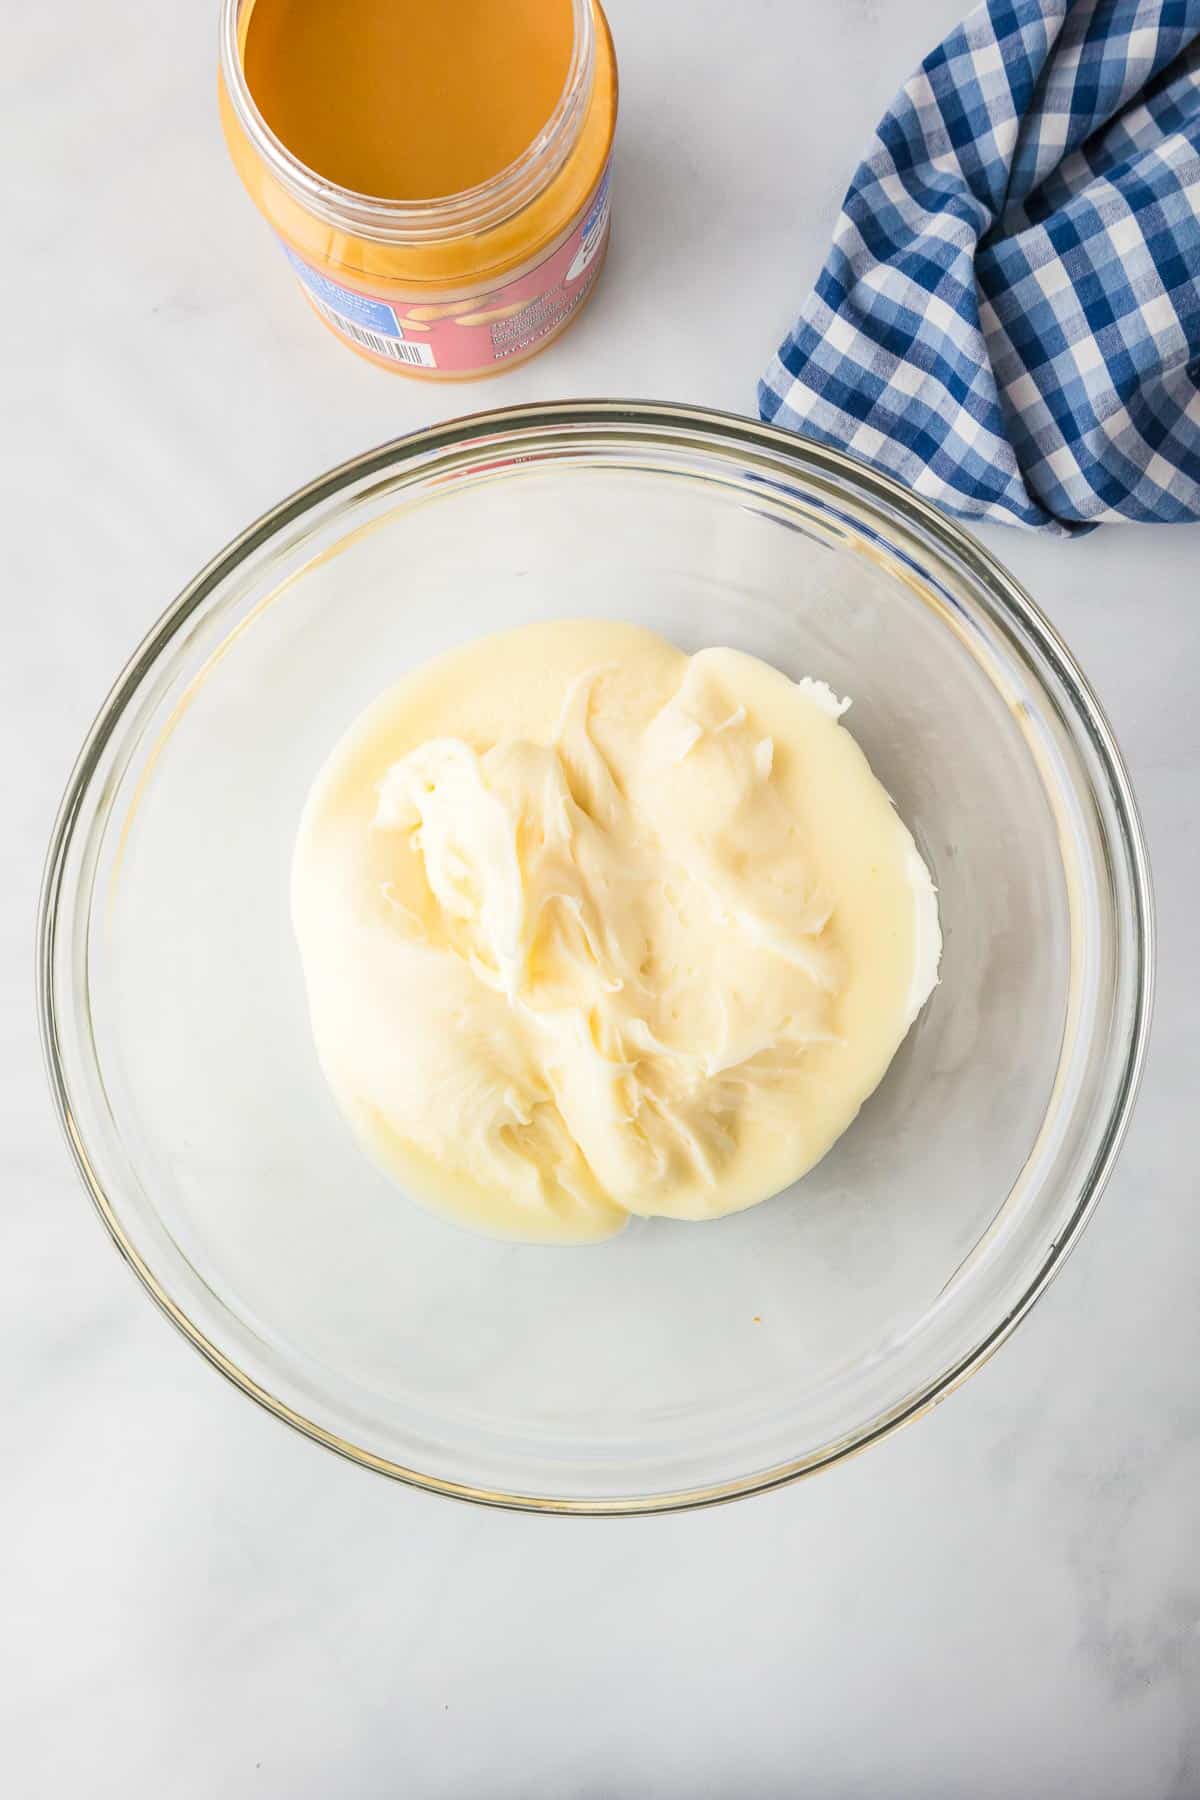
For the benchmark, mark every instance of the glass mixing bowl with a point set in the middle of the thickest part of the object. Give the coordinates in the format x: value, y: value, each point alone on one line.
x: 678, y: 1363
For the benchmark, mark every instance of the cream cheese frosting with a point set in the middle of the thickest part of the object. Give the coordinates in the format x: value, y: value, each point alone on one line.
x: 592, y: 928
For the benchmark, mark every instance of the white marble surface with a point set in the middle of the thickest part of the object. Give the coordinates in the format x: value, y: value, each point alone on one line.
x: 1004, y: 1600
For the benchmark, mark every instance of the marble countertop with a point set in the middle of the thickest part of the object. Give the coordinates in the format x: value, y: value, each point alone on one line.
x: 1002, y: 1600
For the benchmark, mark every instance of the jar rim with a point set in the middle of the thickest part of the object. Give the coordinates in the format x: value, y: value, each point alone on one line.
x: 490, y: 203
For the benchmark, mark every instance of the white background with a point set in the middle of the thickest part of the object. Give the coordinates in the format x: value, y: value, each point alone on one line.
x: 1004, y: 1600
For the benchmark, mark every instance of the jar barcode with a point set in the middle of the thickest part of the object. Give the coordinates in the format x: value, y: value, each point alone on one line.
x: 398, y: 349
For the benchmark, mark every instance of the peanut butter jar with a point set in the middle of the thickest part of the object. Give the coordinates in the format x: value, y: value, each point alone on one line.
x: 506, y: 109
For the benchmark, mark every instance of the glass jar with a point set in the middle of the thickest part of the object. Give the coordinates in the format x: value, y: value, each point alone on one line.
x: 454, y: 287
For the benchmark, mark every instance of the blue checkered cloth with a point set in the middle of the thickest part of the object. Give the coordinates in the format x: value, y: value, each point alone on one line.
x: 1009, y: 318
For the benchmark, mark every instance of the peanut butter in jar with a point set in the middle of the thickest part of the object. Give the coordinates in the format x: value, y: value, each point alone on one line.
x: 437, y: 175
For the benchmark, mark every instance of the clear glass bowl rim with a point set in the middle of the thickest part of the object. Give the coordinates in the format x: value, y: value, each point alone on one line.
x: 612, y: 422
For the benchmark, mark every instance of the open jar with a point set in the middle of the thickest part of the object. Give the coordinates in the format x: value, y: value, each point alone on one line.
x: 322, y: 105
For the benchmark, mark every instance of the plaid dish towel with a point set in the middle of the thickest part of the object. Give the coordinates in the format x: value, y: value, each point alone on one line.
x: 1009, y: 318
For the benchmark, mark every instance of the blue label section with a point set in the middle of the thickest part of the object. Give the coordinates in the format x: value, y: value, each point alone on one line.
x: 374, y: 314
x: 598, y: 204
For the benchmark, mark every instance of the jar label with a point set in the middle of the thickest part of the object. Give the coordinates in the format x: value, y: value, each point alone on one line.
x: 462, y: 337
